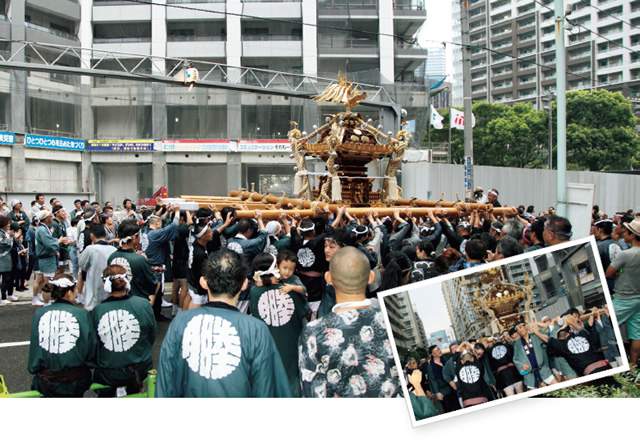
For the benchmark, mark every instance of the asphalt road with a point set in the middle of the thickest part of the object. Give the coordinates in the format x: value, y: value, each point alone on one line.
x: 15, y: 327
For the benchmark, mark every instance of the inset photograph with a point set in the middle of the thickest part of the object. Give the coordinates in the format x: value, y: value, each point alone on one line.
x: 502, y: 331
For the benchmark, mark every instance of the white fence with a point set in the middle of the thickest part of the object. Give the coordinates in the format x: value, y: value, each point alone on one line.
x: 517, y: 186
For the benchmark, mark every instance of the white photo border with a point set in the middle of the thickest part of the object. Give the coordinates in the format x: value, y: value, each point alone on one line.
x: 527, y: 255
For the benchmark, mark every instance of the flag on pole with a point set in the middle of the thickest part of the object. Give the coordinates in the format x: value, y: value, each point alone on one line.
x: 436, y: 119
x: 457, y: 119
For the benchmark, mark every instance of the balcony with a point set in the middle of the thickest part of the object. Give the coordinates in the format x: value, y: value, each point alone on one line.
x: 410, y: 50
x: 197, y: 47
x: 115, y: 12
x: 501, y: 44
x: 347, y: 4
x: 504, y: 85
x: 341, y: 45
x: 407, y: 5
x: 36, y: 27
x: 499, y: 32
x: 500, y: 18
x: 278, y: 46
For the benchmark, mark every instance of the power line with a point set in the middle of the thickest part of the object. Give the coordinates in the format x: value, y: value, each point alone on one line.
x: 609, y: 14
x: 545, y: 6
x: 603, y: 37
x: 589, y: 30
x: 274, y: 20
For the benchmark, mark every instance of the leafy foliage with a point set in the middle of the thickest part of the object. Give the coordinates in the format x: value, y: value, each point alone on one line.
x: 628, y: 388
x: 600, y: 134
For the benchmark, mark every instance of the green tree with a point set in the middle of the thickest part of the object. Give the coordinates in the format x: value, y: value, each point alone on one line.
x: 517, y: 138
x: 600, y: 131
x: 503, y: 135
x: 600, y: 134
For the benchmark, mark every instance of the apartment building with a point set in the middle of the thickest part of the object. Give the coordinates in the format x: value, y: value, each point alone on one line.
x: 406, y: 325
x: 520, y: 65
x: 369, y: 41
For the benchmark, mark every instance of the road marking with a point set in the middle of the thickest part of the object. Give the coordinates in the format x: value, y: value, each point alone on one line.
x: 14, y: 344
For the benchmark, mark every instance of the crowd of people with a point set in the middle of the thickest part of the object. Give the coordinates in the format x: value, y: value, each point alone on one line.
x: 526, y: 357
x: 315, y: 327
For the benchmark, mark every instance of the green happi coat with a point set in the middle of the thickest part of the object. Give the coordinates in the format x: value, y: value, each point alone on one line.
x: 46, y: 249
x: 422, y: 407
x: 22, y: 217
x: 216, y: 351
x: 62, y: 337
x: 143, y: 281
x: 520, y: 358
x: 126, y: 331
x: 284, y: 314
x: 6, y: 243
x: 60, y: 230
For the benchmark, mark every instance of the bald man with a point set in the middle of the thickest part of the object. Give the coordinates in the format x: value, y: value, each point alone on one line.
x: 347, y: 353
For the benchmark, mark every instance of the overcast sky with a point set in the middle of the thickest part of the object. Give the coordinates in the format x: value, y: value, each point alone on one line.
x: 429, y: 304
x: 438, y: 27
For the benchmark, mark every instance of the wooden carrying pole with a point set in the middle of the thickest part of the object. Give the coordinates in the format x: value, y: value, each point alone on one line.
x: 306, y: 204
x: 274, y: 214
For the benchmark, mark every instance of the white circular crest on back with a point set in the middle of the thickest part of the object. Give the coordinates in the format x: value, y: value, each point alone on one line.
x: 275, y: 308
x: 211, y: 346
x: 118, y: 330
x: 58, y: 331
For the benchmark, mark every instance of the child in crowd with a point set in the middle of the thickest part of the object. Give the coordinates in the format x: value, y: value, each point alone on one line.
x: 287, y: 262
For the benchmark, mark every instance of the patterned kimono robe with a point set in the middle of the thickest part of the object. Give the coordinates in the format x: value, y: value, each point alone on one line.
x: 348, y: 354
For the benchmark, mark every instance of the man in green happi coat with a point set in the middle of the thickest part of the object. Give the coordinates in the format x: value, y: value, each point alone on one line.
x: 143, y: 280
x: 216, y: 351
x: 530, y: 358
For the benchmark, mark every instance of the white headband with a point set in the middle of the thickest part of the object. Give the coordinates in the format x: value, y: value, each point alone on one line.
x: 464, y: 224
x: 44, y: 214
x: 126, y: 240
x: 204, y: 231
x: 63, y: 283
x: 494, y: 193
x: 273, y: 228
x: 14, y: 202
x: 310, y: 228
x: 107, y: 282
x: 273, y: 270
x: 366, y: 229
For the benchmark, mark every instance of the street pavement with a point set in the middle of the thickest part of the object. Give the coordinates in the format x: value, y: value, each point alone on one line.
x: 15, y: 327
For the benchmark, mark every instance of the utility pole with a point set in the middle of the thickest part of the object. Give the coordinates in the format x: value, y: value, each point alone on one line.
x: 550, y: 98
x: 561, y: 111
x: 466, y: 87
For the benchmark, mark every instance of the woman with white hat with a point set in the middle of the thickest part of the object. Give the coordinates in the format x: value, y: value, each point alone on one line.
x: 18, y: 217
